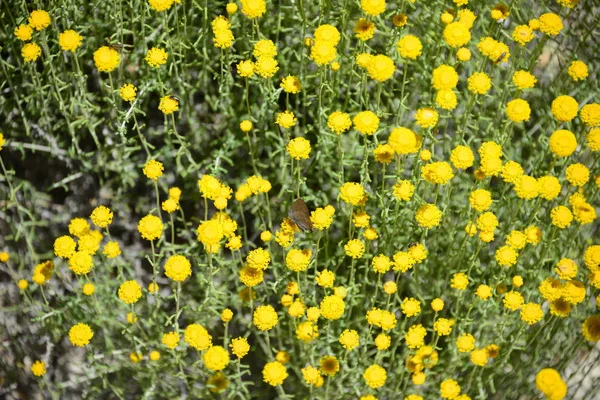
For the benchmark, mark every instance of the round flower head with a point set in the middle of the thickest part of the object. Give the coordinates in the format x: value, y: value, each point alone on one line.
x: 352, y: 193
x: 381, y: 68
x: 69, y: 40
x: 286, y: 119
x: 266, y: 67
x: 577, y: 174
x: 462, y: 157
x: 80, y: 335
x: 355, y: 248
x: 197, y: 336
x: 479, y: 83
x: 428, y: 216
x: 101, y: 216
x: 178, y: 268
x: 332, y: 307
x: 578, y: 71
x: 231, y: 8
x: 323, y: 53
x: 155, y: 57
x: 463, y: 54
x: 130, y: 292
x: 327, y: 34
x: 128, y: 92
x: 456, y: 34
x: 297, y: 260
x: 245, y: 69
x: 409, y: 47
x: 265, y: 48
x: 400, y: 20
x: 522, y: 34
x: 550, y: 24
x: 64, y: 247
x: 239, y: 347
x: 339, y: 122
x: 531, y: 313
x: 31, y: 52
x: 81, y: 262
x: 372, y: 7
x: 106, y: 59
x: 265, y: 317
x: 562, y: 143
x: 38, y: 368
x: 39, y: 20
x: 404, y: 141
x: 549, y: 382
x: 591, y: 328
x: 253, y: 8
x: 444, y: 77
x: 564, y: 108
x: 171, y: 340
x: 291, y: 84
x: 168, y: 104
x: 88, y: 289
x: 459, y: 281
x: 523, y: 79
x: 375, y: 376
x: 446, y: 99
x: 590, y: 114
x: 23, y: 32
x: 364, y: 29
x: 426, y: 117
x: 160, y: 5
x: 349, y: 339
x: 366, y: 122
x: 216, y: 358
x: 518, y: 110
x: 274, y: 373
x: 150, y: 227
x: 449, y: 389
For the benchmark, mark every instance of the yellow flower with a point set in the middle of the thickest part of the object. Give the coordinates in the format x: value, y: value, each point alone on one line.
x: 578, y: 70
x: 168, y: 104
x: 160, y: 5
x: 426, y: 117
x: 381, y: 68
x: 444, y: 77
x: 286, y: 119
x: 323, y: 53
x: 577, y: 174
x: 355, y: 248
x: 23, y: 32
x: 549, y: 382
x: 364, y: 29
x: 332, y: 307
x: 38, y: 368
x: 428, y: 216
x: 178, y: 268
x: 130, y: 292
x: 80, y: 335
x: 562, y: 143
x: 446, y: 99
x: 339, y: 122
x: 524, y: 79
x: 349, y: 339
x: 352, y: 193
x: 550, y: 24
x: 171, y: 339
x: 39, y: 19
x: 299, y: 148
x: 253, y: 8
x: 69, y: 40
x: 409, y: 47
x: 479, y: 83
x: 372, y: 7
x: 523, y: 34
x: 31, y: 52
x: 265, y: 48
x: 456, y: 34
x: 564, y: 108
x: 274, y: 373
x: 156, y: 57
x: 106, y: 59
x: 449, y: 389
x: 404, y: 141
x: 197, y: 336
x: 291, y: 84
x: 150, y: 227
x: 128, y: 92
x: 518, y: 110
x: 366, y: 122
x: 375, y: 376
x: 590, y: 114
x: 216, y: 358
x: 239, y: 347
x: 101, y: 216
x: 245, y: 69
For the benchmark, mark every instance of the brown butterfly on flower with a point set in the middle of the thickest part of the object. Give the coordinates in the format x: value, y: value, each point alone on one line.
x: 300, y: 216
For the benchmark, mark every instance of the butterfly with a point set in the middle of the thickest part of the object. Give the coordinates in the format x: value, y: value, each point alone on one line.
x: 298, y: 213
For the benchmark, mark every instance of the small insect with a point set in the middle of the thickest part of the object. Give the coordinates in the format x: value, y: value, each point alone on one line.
x: 299, y: 214
x: 175, y: 98
x: 500, y: 58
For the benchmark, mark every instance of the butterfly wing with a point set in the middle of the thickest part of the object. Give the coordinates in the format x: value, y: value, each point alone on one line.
x: 299, y: 214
